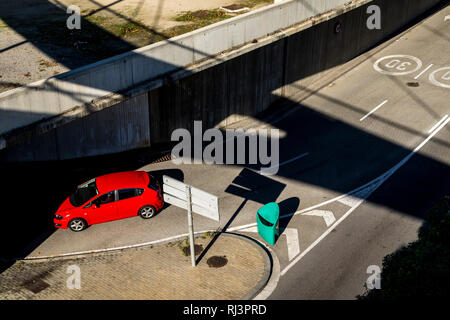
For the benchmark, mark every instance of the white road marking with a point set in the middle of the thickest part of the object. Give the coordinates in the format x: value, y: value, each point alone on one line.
x: 424, y: 70
x: 290, y: 265
x: 380, y: 181
x: 327, y: 215
x: 293, y: 244
x: 437, y: 124
x: 447, y: 18
x: 445, y: 77
x: 373, y: 110
x: 293, y: 159
x: 352, y: 200
x: 398, y: 64
x: 284, y: 162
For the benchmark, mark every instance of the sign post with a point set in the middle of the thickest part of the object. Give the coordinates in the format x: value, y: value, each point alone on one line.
x: 191, y: 224
x: 194, y: 201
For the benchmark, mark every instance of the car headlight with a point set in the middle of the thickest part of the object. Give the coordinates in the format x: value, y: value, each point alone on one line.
x: 58, y: 217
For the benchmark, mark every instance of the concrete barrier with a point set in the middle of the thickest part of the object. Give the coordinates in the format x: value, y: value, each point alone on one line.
x: 220, y: 90
x: 49, y: 97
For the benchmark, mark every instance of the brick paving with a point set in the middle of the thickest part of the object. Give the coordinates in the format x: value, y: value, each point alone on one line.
x: 152, y: 272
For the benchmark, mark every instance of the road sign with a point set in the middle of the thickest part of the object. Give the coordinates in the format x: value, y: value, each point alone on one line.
x: 193, y: 200
x: 203, y: 203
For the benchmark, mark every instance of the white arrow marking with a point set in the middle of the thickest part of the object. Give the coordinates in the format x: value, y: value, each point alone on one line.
x: 291, y: 239
x: 327, y: 215
x: 374, y: 185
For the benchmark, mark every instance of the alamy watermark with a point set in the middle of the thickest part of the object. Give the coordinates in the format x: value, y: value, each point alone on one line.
x: 374, y: 280
x: 74, y: 20
x: 374, y: 20
x: 74, y: 280
x: 222, y: 148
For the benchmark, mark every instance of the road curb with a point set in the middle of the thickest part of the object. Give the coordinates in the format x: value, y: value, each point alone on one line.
x: 271, y: 270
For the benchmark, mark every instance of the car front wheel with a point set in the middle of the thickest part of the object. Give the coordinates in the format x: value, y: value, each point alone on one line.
x: 146, y: 212
x: 77, y: 224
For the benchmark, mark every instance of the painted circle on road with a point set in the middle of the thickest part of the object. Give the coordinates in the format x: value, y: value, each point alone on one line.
x: 397, y: 65
x: 444, y: 76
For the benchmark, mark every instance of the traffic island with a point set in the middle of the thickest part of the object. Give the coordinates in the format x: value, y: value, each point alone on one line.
x: 234, y: 267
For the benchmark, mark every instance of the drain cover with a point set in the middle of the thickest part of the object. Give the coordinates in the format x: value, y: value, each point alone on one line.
x: 36, y: 286
x: 217, y: 261
x: 412, y: 84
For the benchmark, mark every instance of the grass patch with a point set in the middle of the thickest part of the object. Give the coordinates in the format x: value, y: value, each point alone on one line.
x: 210, y: 16
x: 121, y: 29
x: 47, y: 64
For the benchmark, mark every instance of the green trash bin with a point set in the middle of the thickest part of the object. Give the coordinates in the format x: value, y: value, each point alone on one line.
x: 267, y: 220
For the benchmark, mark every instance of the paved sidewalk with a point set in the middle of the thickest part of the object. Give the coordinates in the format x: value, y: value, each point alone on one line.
x: 151, y: 272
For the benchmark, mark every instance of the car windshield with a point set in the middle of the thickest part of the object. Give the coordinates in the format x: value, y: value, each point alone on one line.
x: 153, y: 183
x: 84, y: 193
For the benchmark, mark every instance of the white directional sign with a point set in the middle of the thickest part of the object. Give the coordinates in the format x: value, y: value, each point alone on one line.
x: 203, y: 203
x: 193, y: 200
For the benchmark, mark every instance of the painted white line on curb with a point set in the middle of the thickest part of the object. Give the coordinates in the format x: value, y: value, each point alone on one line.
x: 383, y: 177
x: 373, y: 110
x: 437, y: 124
x: 423, y: 71
x: 274, y: 278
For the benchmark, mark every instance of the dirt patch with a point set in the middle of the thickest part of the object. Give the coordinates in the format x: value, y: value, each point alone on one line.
x: 234, y: 7
x: 217, y: 261
x: 198, y: 248
x: 36, y: 285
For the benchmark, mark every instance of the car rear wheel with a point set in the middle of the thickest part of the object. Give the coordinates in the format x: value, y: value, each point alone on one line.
x: 77, y: 224
x: 146, y: 212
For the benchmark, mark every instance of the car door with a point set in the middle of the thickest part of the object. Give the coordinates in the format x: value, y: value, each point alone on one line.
x: 129, y: 202
x: 102, y: 209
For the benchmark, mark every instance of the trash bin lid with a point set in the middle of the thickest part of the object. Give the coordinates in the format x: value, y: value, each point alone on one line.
x: 270, y: 212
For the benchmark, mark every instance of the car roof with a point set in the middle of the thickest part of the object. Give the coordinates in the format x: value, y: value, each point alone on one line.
x: 121, y: 180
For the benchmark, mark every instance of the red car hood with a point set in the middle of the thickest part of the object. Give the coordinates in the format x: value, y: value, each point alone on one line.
x: 65, y: 206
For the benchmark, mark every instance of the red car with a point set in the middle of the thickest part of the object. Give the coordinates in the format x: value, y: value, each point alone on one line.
x: 110, y: 197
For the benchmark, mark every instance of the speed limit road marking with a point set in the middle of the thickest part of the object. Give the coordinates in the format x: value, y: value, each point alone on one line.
x: 443, y: 74
x: 401, y: 64
x: 397, y: 65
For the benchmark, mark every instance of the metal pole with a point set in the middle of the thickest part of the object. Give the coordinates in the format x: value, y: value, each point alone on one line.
x: 191, y: 224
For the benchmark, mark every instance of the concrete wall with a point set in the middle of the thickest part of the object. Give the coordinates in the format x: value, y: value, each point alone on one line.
x: 244, y: 83
x: 121, y: 127
x: 49, y: 97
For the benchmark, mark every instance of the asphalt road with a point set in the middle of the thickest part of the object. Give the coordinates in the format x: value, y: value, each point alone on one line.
x: 377, y: 125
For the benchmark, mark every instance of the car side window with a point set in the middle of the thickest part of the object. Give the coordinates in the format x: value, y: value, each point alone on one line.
x: 129, y: 193
x: 104, y: 199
